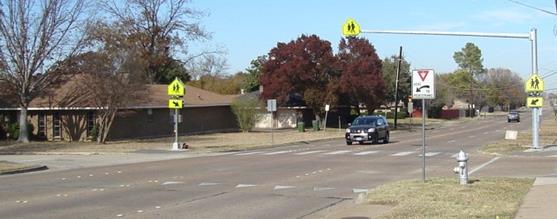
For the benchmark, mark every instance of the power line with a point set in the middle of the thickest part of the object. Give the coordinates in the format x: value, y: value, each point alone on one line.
x: 533, y: 7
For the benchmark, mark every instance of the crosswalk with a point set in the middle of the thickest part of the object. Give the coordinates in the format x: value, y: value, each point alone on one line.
x: 361, y: 153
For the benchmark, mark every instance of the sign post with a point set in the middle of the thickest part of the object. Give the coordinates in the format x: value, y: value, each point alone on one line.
x: 176, y: 91
x: 272, y: 107
x: 534, y: 87
x: 327, y: 106
x: 423, y: 87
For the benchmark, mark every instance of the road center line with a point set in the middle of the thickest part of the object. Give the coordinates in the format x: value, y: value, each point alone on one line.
x: 483, y: 165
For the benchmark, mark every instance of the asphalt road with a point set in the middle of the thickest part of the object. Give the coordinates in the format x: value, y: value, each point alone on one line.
x: 297, y: 181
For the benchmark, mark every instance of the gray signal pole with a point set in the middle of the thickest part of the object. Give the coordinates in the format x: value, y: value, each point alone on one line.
x: 532, y: 36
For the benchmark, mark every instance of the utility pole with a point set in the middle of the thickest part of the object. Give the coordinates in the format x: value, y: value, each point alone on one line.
x: 396, y: 84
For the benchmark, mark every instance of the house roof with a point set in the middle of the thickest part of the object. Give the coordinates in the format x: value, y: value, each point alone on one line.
x: 67, y: 97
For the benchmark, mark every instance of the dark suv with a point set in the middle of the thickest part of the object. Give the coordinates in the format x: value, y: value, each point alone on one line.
x: 368, y: 128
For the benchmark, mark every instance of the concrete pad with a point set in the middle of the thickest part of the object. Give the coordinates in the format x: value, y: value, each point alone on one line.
x: 540, y: 181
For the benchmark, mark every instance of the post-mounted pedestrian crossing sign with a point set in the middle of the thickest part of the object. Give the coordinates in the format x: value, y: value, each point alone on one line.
x: 176, y: 88
x: 534, y: 84
x: 350, y: 28
x: 534, y: 102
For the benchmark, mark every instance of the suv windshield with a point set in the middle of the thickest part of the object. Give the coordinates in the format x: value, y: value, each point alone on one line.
x: 364, y: 121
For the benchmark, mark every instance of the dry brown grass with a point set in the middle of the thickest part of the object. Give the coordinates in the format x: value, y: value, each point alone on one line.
x: 445, y: 198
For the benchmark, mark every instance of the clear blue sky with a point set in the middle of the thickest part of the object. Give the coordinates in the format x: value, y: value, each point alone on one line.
x: 249, y: 28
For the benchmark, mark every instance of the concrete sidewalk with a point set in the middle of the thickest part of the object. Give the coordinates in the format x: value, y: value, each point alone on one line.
x: 540, y: 200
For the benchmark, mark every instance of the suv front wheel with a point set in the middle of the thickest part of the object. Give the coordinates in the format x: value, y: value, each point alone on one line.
x: 386, y: 139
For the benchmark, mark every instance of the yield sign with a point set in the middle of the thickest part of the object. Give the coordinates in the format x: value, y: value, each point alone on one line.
x: 423, y: 74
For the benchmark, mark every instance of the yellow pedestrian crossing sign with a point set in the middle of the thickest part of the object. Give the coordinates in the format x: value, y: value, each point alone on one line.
x: 175, y: 104
x: 534, y: 102
x: 534, y: 84
x: 350, y: 28
x: 176, y: 88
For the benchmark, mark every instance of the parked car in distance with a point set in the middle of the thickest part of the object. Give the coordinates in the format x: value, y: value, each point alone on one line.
x: 367, y: 129
x: 513, y: 116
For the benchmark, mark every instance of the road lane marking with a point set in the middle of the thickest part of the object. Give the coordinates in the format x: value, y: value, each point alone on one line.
x: 250, y: 153
x: 245, y: 185
x: 454, y: 155
x: 310, y: 152
x: 471, y: 136
x: 404, y: 153
x: 278, y: 152
x: 430, y: 154
x: 483, y: 165
x: 317, y: 189
x: 365, y: 152
x: 338, y: 152
x: 208, y: 184
x: 171, y: 183
x: 283, y: 187
x: 451, y: 141
x: 359, y: 190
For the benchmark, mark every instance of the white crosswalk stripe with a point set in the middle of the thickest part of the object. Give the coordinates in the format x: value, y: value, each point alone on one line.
x: 250, y: 153
x: 338, y: 152
x: 430, y: 154
x: 310, y: 152
x: 278, y: 152
x: 404, y: 153
x: 366, y: 152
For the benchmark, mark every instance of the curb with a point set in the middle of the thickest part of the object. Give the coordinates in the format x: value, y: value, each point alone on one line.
x: 26, y: 169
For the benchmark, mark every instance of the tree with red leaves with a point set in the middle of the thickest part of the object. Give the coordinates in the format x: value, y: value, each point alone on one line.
x: 361, y: 80
x: 303, y: 67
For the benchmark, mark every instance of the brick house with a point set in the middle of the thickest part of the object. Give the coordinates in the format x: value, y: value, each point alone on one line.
x: 203, y: 112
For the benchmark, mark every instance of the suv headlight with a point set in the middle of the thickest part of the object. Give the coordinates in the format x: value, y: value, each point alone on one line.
x: 347, y: 130
x: 371, y: 130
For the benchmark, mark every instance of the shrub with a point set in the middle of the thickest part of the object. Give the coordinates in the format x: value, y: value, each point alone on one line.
x: 94, y: 132
x: 13, y: 130
x: 245, y: 110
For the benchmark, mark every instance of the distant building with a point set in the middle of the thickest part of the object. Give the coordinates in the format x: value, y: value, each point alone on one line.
x: 203, y: 112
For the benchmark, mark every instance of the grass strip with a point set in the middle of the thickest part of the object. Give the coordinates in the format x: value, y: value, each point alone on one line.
x: 444, y: 198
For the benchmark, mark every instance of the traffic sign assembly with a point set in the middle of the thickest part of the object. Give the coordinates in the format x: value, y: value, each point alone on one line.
x: 423, y: 84
x: 176, y: 90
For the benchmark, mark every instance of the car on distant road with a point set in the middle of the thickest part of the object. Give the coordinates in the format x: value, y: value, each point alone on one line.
x: 513, y: 116
x: 368, y: 129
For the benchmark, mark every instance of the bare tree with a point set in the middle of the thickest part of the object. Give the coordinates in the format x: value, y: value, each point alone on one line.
x: 156, y: 28
x: 33, y: 35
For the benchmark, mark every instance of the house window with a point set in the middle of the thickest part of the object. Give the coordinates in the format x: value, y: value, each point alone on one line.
x: 150, y: 115
x: 56, y: 128
x: 42, y: 125
x: 90, y: 122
